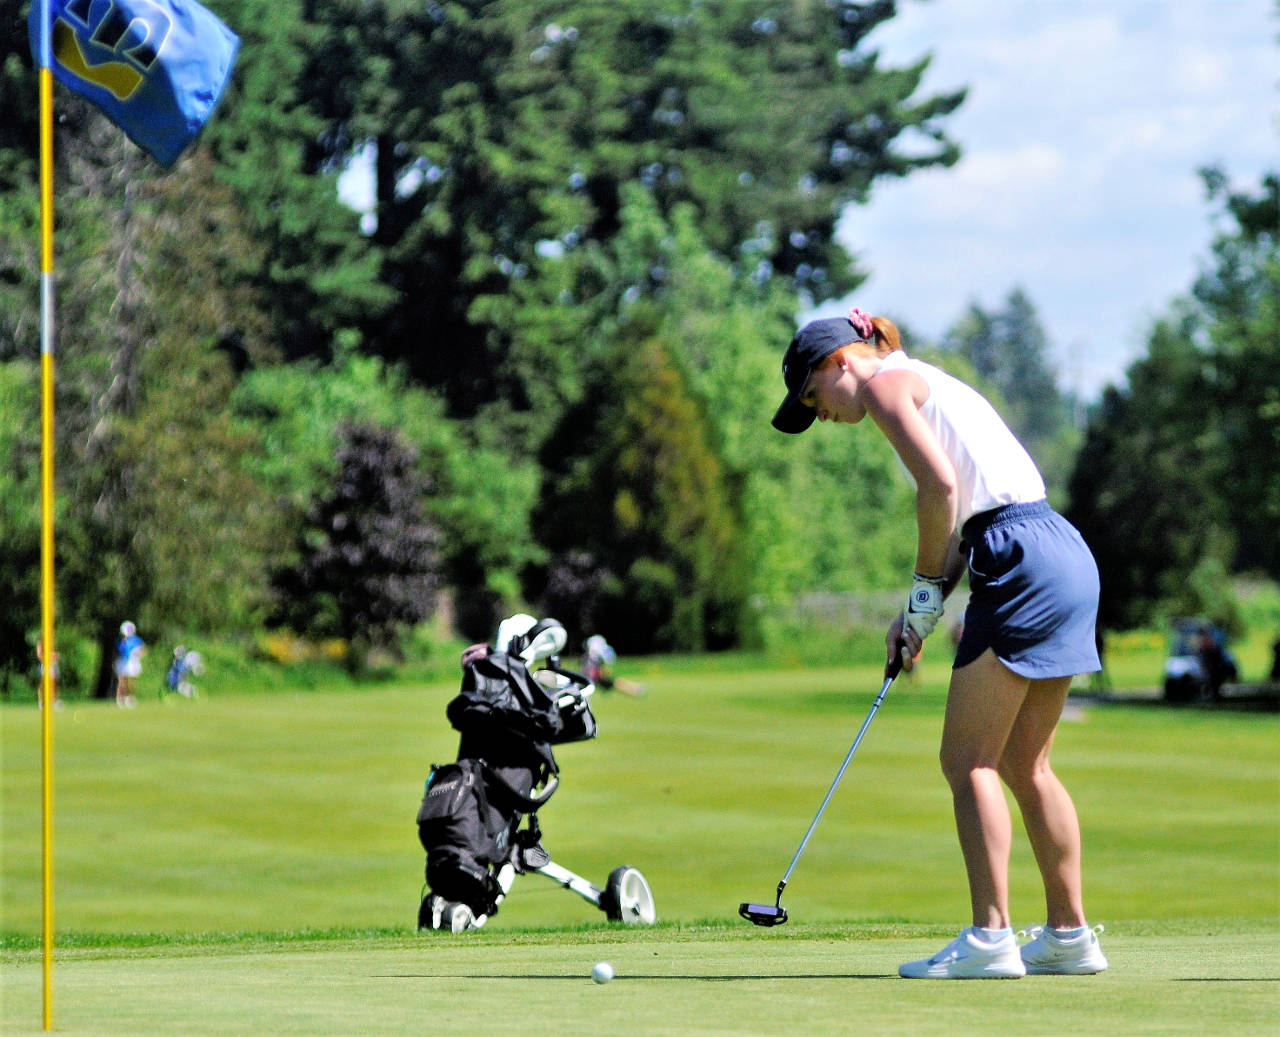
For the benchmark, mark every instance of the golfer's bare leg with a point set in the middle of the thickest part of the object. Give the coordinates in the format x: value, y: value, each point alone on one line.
x: 982, y: 705
x: 1047, y: 810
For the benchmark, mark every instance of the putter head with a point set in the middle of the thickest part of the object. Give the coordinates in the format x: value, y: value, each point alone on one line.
x: 763, y: 914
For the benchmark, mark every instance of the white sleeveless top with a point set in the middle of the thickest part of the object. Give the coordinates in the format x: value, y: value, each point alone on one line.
x: 992, y: 467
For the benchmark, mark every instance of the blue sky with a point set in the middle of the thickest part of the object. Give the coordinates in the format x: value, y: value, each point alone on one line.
x: 1083, y: 129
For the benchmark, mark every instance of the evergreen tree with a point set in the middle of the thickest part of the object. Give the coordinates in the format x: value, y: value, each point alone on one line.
x: 1009, y: 349
x: 1145, y: 491
x: 1178, y: 474
x: 509, y: 141
x: 635, y: 489
x: 1240, y: 295
x: 318, y: 275
x: 504, y: 131
x: 1028, y: 381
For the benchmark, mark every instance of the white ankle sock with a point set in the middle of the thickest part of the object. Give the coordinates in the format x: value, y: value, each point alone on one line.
x: 991, y: 935
x: 1069, y: 934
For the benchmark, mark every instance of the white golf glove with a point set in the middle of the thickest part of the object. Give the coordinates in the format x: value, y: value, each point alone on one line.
x: 924, y: 607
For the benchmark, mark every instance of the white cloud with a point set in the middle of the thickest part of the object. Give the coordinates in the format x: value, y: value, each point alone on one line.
x: 1204, y: 72
x: 1028, y: 167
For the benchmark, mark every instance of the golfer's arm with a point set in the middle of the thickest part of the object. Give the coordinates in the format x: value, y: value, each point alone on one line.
x: 893, y: 408
x: 935, y: 516
x: 955, y: 567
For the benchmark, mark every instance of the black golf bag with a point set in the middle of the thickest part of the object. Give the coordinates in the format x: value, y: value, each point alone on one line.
x: 472, y: 809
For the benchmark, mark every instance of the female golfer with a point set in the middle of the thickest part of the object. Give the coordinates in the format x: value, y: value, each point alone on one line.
x: 1028, y: 628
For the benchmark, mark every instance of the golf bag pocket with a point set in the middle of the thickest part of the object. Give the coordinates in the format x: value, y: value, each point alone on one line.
x: 457, y: 829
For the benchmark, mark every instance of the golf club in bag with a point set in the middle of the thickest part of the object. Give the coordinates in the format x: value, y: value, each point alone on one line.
x: 775, y: 913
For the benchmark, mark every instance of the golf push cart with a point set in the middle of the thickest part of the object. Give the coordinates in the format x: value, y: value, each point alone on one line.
x: 515, y: 702
x: 1199, y: 663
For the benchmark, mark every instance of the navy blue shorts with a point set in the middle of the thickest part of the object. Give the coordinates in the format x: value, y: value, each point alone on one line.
x: 1033, y: 593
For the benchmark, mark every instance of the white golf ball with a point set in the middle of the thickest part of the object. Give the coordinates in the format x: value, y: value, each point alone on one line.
x: 602, y: 972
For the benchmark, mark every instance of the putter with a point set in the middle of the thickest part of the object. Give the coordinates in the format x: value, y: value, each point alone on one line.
x: 775, y: 913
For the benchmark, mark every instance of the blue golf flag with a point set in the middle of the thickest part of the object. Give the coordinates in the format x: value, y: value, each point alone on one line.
x: 156, y: 68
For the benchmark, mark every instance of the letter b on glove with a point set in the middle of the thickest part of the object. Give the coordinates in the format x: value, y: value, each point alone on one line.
x: 924, y: 606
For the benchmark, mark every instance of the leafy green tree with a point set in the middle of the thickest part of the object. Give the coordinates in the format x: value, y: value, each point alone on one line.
x: 19, y: 350
x: 503, y: 131
x: 509, y: 142
x: 810, y: 512
x: 148, y: 460
x: 805, y: 526
x: 367, y: 566
x: 178, y: 531
x: 481, y: 496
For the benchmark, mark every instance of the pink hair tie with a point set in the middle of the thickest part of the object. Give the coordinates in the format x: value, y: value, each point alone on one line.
x: 862, y: 324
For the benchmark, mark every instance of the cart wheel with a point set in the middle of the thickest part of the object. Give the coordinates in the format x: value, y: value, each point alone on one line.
x: 627, y: 898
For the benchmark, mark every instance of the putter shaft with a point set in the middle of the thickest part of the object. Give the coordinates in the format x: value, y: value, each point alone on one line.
x: 890, y: 673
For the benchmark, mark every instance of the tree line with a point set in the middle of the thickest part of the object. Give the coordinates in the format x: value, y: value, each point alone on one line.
x: 536, y: 372
x: 1177, y: 483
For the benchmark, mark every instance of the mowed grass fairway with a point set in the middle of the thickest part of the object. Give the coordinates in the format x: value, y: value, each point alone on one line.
x: 249, y: 864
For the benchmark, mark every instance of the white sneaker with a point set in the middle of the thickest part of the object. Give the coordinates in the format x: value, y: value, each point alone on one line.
x: 1050, y: 955
x: 969, y: 956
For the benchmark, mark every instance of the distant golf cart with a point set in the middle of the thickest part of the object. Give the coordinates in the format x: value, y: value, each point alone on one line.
x: 1199, y: 663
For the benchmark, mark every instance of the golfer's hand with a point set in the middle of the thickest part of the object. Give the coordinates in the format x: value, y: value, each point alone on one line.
x: 924, y: 606
x: 902, y: 641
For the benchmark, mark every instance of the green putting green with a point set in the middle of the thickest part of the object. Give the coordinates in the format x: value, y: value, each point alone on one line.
x: 250, y: 864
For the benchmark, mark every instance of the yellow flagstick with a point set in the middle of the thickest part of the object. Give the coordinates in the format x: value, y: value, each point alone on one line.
x: 195, y: 72
x: 48, y: 647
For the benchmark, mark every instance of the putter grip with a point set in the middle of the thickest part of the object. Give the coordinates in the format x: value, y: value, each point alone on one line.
x: 894, y: 666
